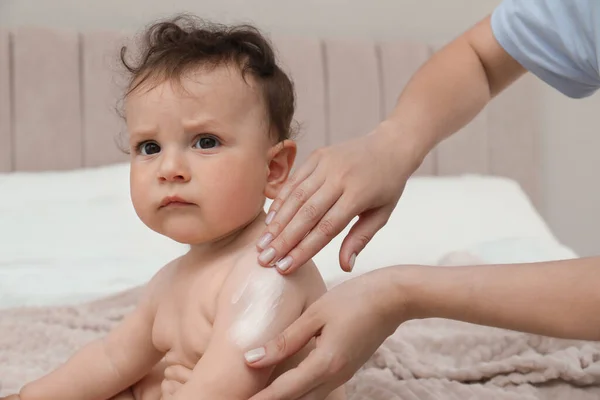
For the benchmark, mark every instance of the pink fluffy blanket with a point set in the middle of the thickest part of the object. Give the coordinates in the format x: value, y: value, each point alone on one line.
x: 427, y: 359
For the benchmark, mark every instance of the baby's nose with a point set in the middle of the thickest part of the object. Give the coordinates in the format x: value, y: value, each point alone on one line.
x: 174, y: 169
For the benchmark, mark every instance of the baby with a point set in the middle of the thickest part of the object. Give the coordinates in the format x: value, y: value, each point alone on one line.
x: 208, y: 116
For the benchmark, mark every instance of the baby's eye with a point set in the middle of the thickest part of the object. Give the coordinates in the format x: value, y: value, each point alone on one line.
x: 148, y: 148
x: 206, y: 142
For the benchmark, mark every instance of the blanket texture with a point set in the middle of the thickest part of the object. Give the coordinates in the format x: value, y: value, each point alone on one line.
x: 424, y: 359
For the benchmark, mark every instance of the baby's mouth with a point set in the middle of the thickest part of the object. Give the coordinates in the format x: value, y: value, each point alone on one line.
x: 174, y: 202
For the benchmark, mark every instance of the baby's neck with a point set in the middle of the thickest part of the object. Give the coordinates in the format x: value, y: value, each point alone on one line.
x: 244, y: 236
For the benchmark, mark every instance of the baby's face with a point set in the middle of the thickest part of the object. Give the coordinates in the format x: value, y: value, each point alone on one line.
x: 199, y: 154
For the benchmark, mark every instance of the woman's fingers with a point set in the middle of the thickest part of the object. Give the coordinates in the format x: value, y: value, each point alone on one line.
x: 327, y: 228
x: 317, y: 223
x: 276, y: 242
x: 287, y: 343
x: 361, y: 234
x: 296, y: 179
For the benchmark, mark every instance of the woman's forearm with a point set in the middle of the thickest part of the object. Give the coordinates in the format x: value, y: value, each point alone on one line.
x: 559, y: 298
x: 452, y: 87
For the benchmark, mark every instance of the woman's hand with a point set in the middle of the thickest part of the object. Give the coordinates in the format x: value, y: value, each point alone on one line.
x: 350, y: 322
x: 363, y: 177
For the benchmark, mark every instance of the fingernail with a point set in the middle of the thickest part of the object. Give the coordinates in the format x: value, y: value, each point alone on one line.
x: 267, y: 255
x: 265, y: 240
x: 352, y: 261
x: 284, y: 263
x: 270, y: 217
x: 255, y: 354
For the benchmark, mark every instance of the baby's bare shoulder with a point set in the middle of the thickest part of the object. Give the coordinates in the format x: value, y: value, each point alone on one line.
x: 306, y: 280
x: 312, y: 281
x: 164, y: 276
x: 156, y: 288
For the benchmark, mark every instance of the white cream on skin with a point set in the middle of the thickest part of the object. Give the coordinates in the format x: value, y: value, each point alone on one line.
x: 257, y: 301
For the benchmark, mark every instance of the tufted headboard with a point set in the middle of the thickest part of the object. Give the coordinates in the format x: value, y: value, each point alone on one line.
x: 59, y: 89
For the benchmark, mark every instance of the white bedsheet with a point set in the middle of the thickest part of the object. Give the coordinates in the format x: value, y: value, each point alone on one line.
x: 73, y: 236
x: 490, y: 216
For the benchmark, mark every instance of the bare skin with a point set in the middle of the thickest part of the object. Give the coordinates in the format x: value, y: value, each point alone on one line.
x: 557, y: 299
x: 350, y: 179
x: 202, y: 164
x: 178, y: 321
x: 340, y: 182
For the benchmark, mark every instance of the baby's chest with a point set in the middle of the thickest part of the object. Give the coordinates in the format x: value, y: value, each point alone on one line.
x: 183, y: 331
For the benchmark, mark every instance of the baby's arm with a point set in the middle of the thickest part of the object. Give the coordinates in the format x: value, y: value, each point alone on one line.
x: 254, y: 305
x: 105, y: 366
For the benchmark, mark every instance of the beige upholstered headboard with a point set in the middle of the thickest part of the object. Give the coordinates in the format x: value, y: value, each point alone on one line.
x: 58, y: 94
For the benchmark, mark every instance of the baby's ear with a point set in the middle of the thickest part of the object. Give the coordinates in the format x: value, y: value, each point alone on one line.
x: 281, y: 157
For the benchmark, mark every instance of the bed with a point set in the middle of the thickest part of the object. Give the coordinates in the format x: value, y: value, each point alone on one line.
x: 73, y: 253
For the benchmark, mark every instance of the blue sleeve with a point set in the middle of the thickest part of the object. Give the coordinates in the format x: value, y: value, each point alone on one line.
x: 557, y: 40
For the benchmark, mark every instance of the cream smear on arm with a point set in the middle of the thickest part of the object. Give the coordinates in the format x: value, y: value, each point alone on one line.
x: 255, y: 304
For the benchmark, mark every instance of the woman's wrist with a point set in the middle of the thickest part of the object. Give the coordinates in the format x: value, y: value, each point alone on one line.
x: 398, y: 291
x: 407, y: 147
x: 422, y: 291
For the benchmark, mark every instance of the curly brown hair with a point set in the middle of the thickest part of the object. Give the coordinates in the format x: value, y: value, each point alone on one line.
x: 173, y: 47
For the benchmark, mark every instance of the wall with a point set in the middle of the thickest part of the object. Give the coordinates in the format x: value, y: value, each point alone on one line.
x: 430, y: 19
x: 570, y: 186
